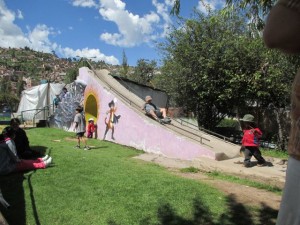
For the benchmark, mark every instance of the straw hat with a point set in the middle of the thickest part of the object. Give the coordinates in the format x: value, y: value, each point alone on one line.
x: 148, y: 98
x: 248, y: 118
x: 91, y: 119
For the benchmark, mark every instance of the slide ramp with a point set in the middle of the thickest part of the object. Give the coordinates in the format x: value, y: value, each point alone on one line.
x: 176, y: 140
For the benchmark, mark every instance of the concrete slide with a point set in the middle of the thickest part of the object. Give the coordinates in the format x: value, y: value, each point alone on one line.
x: 177, y: 140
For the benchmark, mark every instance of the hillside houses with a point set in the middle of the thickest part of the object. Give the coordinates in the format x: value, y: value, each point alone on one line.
x: 32, y: 66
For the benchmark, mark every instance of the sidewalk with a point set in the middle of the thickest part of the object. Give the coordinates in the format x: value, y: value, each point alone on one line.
x: 274, y: 174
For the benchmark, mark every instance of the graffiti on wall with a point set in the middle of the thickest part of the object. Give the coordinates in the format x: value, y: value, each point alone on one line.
x: 111, y: 118
x: 65, y: 111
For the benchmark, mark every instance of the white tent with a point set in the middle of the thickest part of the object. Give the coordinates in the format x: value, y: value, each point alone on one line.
x: 35, y: 100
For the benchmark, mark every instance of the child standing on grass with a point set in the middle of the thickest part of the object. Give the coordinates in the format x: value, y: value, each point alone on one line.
x: 250, y: 141
x: 80, y: 128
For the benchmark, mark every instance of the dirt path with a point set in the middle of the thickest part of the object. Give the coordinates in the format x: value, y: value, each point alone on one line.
x: 274, y: 175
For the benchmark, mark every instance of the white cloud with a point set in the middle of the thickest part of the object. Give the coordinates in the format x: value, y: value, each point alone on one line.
x: 19, y: 14
x: 38, y: 38
x: 132, y: 29
x: 204, y: 5
x: 94, y: 54
x: 10, y: 34
x: 84, y: 3
x: 169, y: 2
x: 164, y: 11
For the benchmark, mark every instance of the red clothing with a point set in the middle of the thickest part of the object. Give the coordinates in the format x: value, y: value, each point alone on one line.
x: 91, y: 127
x: 30, y: 164
x: 251, y: 137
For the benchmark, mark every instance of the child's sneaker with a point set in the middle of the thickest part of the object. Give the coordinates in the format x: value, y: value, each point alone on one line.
x: 166, y: 120
x: 77, y: 147
x: 87, y: 148
x: 45, y: 157
x: 48, y: 162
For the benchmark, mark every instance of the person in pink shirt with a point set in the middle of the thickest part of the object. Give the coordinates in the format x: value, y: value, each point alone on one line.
x: 250, y: 141
x: 9, y: 160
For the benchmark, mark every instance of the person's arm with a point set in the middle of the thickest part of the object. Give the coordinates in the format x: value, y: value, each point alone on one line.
x: 76, y: 120
x: 12, y: 151
x: 282, y: 30
x: 257, y: 132
x: 144, y: 106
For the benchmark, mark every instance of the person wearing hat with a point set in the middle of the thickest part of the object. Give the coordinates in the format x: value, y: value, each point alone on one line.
x: 154, y: 111
x: 90, y: 128
x: 250, y: 141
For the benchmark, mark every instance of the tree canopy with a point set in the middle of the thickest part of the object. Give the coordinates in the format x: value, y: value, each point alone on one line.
x: 216, y: 65
x: 255, y: 10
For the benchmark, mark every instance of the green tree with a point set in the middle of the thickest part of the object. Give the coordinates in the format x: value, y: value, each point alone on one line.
x: 84, y: 62
x: 125, y: 67
x: 203, y: 58
x: 6, y: 95
x: 144, y: 71
x: 255, y: 10
x: 215, y: 66
x: 20, y: 86
x: 71, y: 75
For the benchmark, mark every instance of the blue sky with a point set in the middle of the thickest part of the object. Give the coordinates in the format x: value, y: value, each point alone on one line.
x: 97, y: 29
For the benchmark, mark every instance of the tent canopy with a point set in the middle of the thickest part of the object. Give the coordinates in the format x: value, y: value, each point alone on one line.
x: 36, y: 98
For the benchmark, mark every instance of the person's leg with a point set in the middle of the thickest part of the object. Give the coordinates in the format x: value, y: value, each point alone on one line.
x: 154, y: 115
x: 24, y: 165
x: 163, y: 111
x: 78, y: 140
x: 84, y: 140
x: 247, y: 155
x: 257, y: 155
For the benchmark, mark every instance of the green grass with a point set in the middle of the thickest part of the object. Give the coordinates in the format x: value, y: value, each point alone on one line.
x: 108, y: 186
x: 5, y: 118
x: 274, y: 153
x: 244, y: 181
x: 190, y: 170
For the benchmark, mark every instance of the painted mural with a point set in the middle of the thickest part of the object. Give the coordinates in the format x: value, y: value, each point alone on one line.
x: 65, y: 110
x: 111, y: 118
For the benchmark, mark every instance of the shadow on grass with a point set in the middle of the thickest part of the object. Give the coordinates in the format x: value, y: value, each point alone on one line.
x: 35, y: 212
x: 41, y: 149
x: 13, y: 192
x: 98, y: 147
x: 236, y: 214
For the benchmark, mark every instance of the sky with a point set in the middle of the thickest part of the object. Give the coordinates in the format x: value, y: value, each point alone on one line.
x: 94, y: 29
